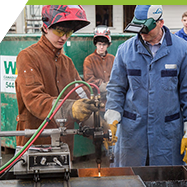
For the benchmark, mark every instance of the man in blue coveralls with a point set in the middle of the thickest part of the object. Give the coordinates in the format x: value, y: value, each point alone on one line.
x: 147, y: 93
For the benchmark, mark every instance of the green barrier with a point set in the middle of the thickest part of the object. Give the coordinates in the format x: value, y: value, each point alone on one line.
x: 77, y: 48
x: 9, y: 49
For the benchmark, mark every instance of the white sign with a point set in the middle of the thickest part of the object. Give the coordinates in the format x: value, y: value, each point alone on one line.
x: 8, y: 73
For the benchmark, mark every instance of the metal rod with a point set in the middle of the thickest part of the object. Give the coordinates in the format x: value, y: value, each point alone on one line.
x: 46, y: 132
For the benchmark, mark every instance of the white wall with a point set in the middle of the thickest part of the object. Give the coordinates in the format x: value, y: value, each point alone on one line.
x: 90, y: 14
x: 172, y: 17
x: 117, y: 19
x: 18, y: 12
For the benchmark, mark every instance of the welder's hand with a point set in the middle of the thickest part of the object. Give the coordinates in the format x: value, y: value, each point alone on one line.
x: 83, y: 108
x: 113, y: 128
x: 184, y: 143
x: 184, y: 148
x: 112, y: 115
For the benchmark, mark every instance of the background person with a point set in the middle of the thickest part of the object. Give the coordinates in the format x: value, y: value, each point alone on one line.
x: 183, y: 32
x: 97, y: 66
x: 147, y: 93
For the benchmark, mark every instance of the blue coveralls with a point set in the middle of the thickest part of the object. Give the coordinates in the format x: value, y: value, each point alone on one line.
x: 181, y: 34
x: 151, y: 96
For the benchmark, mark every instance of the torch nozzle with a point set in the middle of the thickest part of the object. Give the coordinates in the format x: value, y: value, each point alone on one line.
x: 99, y: 169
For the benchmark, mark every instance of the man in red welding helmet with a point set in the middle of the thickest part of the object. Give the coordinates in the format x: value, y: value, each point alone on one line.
x: 43, y: 72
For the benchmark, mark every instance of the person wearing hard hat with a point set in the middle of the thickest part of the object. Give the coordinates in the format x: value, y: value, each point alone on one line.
x: 147, y: 93
x: 43, y: 72
x: 98, y: 65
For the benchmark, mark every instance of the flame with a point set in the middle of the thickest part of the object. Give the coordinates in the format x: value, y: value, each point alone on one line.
x: 99, y: 174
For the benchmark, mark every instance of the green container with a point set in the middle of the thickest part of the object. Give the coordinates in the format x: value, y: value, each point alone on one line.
x: 77, y: 48
x: 9, y: 48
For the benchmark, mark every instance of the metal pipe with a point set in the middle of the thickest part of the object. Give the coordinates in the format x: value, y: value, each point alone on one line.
x: 46, y: 132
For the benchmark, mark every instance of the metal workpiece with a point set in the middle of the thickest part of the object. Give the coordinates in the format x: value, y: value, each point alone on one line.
x: 105, y: 172
x: 162, y: 176
x: 148, y: 176
x: 119, y: 181
x: 83, y: 178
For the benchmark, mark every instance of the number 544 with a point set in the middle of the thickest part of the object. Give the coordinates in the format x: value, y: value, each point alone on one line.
x: 9, y: 84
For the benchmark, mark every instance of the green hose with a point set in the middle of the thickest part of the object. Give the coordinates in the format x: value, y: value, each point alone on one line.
x: 43, y: 123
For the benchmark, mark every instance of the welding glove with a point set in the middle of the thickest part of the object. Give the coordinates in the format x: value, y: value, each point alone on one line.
x: 113, y: 128
x: 113, y: 118
x: 82, y: 109
x: 74, y: 110
x: 184, y: 143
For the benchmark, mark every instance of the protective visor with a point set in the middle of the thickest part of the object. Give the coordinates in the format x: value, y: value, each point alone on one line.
x: 141, y: 26
x: 61, y: 33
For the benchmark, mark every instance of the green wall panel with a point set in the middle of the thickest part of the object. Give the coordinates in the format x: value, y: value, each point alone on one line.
x: 8, y: 117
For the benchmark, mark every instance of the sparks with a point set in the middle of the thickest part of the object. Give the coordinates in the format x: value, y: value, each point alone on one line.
x: 99, y: 174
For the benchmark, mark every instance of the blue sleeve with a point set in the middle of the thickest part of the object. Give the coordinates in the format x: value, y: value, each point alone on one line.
x: 118, y: 84
x: 183, y: 85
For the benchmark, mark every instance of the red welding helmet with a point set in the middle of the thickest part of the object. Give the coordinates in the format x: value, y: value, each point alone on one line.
x: 102, y: 31
x: 73, y: 16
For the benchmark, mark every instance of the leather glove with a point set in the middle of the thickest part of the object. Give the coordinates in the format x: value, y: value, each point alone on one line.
x: 113, y: 128
x: 83, y: 108
x: 184, y: 143
x: 113, y: 118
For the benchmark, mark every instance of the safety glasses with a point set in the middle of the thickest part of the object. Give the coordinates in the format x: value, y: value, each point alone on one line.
x: 60, y: 32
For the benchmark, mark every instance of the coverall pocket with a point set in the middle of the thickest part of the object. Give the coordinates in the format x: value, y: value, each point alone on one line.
x: 134, y: 77
x: 172, y: 117
x: 169, y: 79
x: 129, y: 115
x: 129, y: 124
x: 170, y: 125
